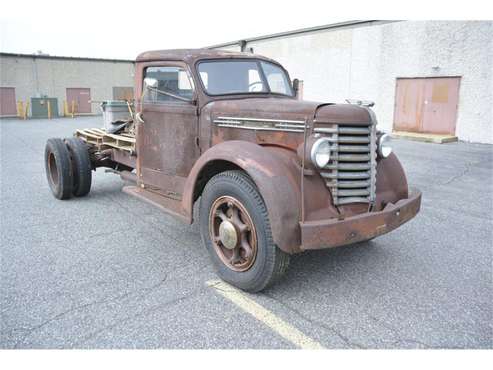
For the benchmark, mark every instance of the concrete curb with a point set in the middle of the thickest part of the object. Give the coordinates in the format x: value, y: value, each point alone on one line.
x: 423, y: 137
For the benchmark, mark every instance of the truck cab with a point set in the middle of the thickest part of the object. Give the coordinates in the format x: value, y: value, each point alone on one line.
x: 274, y: 175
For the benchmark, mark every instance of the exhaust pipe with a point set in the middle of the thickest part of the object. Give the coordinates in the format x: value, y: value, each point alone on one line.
x: 128, y: 176
x: 125, y: 175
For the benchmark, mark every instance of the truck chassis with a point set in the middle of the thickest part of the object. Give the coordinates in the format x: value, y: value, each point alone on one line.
x: 274, y: 175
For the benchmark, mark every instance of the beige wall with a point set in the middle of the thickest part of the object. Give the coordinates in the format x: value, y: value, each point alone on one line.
x: 364, y: 62
x: 33, y: 77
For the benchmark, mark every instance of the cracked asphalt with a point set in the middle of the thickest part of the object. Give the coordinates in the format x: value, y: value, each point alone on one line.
x: 108, y: 271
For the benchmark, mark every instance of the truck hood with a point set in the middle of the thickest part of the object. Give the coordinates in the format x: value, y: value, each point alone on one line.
x: 289, y: 109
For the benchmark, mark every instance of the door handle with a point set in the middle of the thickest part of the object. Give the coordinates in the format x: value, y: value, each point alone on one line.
x: 139, y: 117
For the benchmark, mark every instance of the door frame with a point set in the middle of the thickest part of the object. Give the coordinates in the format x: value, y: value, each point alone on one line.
x: 425, y: 78
x: 69, y: 102
x: 169, y: 184
x: 14, y: 114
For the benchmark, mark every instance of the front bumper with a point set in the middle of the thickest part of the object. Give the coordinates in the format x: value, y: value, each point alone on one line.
x: 334, y: 233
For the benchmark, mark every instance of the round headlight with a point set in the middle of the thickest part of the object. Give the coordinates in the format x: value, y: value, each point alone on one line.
x: 384, y: 148
x: 320, y: 153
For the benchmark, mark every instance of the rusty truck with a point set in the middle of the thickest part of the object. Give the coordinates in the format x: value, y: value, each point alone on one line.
x: 274, y: 175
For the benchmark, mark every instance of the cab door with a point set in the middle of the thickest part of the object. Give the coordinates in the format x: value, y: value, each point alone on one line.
x: 167, y: 137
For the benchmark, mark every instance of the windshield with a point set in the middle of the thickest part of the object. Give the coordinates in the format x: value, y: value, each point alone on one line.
x: 221, y: 77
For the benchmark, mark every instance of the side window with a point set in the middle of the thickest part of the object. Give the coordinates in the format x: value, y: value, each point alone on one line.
x: 172, y: 80
x: 205, y: 79
x: 276, y: 78
x: 255, y: 83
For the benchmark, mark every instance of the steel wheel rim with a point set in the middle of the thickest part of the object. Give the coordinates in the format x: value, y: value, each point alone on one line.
x: 228, y: 211
x: 53, y: 169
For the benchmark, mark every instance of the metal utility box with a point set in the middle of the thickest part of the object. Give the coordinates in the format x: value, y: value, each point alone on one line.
x: 44, y: 107
x: 114, y: 111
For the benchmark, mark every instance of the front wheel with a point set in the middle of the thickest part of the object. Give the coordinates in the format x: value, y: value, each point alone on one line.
x: 235, y: 230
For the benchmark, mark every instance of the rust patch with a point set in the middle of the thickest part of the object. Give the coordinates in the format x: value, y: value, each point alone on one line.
x: 440, y: 93
x: 335, y: 233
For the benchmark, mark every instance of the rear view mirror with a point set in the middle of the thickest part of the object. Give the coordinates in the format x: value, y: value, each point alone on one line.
x: 296, y: 85
x: 298, y: 89
x: 150, y: 82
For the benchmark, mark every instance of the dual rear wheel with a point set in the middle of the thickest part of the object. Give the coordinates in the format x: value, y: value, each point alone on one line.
x: 68, y: 167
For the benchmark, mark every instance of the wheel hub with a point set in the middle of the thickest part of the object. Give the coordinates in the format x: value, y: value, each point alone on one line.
x: 228, y: 234
x: 233, y: 233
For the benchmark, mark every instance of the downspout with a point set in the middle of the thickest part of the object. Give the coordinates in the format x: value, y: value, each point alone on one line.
x: 35, y: 72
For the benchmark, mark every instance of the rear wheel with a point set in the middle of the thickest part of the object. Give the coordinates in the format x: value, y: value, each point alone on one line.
x: 58, y: 168
x: 81, y: 166
x: 235, y: 229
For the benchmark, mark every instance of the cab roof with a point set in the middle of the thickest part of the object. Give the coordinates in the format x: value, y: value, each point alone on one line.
x: 192, y: 55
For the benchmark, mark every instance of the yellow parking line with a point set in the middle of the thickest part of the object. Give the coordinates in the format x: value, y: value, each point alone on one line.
x: 265, y: 316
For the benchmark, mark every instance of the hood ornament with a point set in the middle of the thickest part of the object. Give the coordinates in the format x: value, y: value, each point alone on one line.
x: 364, y: 103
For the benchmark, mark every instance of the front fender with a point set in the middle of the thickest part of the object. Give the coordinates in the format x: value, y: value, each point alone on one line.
x: 278, y: 180
x: 391, y: 182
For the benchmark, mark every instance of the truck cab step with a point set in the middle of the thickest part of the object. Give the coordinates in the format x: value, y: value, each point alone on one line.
x: 166, y: 204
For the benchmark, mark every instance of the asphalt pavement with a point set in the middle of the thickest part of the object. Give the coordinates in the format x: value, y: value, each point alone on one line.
x: 108, y: 271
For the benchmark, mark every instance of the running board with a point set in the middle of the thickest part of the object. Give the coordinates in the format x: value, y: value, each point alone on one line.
x: 168, y: 205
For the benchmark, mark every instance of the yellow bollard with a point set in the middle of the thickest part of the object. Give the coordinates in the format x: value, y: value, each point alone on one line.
x: 26, y: 109
x: 20, y: 108
x: 49, y: 109
x: 73, y: 108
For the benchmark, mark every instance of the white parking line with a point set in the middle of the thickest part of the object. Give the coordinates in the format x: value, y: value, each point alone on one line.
x: 265, y: 316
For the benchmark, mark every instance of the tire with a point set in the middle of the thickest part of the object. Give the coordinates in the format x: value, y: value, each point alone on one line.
x: 234, y: 193
x: 58, y: 168
x: 81, y: 166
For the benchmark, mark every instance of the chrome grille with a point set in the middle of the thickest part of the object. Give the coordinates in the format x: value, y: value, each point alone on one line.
x: 351, y: 172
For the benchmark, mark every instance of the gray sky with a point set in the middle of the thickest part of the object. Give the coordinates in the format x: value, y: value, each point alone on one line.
x: 119, y: 30
x: 123, y: 29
